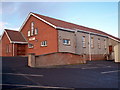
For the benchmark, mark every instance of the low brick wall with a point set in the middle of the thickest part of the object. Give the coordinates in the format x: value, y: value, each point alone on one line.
x: 59, y: 58
x: 99, y: 57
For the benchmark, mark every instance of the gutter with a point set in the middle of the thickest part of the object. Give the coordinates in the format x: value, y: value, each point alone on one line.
x: 19, y: 42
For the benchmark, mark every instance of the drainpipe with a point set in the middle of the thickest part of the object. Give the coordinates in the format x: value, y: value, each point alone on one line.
x: 76, y: 41
x: 89, y: 46
x: 13, y: 50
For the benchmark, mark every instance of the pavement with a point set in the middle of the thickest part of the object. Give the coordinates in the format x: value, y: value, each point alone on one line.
x: 95, y: 74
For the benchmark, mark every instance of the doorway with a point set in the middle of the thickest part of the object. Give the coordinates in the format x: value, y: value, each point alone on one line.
x: 21, y: 49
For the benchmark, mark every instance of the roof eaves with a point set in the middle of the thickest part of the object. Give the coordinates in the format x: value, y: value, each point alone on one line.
x: 2, y: 35
x: 19, y: 42
x: 25, y: 21
x: 114, y: 39
x: 23, y: 37
x: 78, y: 30
x: 65, y: 29
x: 37, y: 18
x: 44, y: 20
x: 8, y: 36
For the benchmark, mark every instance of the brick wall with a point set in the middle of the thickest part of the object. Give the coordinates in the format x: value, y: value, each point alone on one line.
x: 45, y: 33
x: 60, y: 58
x: 5, y: 43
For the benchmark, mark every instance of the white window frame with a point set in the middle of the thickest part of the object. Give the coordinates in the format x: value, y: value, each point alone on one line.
x: 36, y: 31
x: 30, y: 45
x: 66, y: 41
x: 92, y: 42
x: 44, y: 43
x: 99, y: 44
x: 8, y: 48
x: 83, y: 41
x: 105, y: 43
x: 32, y: 28
x: 28, y: 33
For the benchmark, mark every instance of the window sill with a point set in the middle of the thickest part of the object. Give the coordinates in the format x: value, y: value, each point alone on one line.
x: 67, y: 44
x: 44, y: 46
x: 30, y: 47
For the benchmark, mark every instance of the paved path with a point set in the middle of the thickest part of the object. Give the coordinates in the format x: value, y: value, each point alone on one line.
x: 95, y: 74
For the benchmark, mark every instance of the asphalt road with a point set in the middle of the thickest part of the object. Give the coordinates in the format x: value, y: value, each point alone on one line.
x: 95, y: 74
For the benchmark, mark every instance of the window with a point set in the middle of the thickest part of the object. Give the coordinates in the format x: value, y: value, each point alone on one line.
x: 92, y: 42
x: 83, y: 41
x: 36, y: 31
x: 66, y: 41
x: 28, y: 33
x: 44, y: 43
x: 99, y: 46
x: 30, y: 45
x: 8, y: 49
x: 32, y: 28
x: 105, y: 44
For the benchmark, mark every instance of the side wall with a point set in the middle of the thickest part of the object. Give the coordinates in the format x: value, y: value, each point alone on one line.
x: 66, y: 35
x: 76, y: 45
x: 112, y: 43
x: 6, y: 46
x: 45, y: 33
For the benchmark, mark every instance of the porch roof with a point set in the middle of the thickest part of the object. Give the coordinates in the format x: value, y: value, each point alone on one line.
x: 15, y: 36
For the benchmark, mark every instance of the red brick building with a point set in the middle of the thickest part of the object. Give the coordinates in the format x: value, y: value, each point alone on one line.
x: 41, y: 35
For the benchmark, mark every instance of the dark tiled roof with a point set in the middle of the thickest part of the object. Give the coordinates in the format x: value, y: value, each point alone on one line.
x: 64, y: 24
x: 15, y: 36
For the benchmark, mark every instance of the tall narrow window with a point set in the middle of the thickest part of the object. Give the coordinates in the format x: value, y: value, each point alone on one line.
x: 28, y: 33
x: 66, y: 41
x: 99, y: 46
x: 105, y: 44
x: 92, y: 42
x: 83, y: 42
x: 32, y: 28
x: 44, y: 43
x: 36, y: 31
x: 7, y: 48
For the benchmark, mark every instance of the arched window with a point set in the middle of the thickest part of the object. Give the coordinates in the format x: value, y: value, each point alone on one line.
x: 83, y: 41
x: 99, y: 44
x: 28, y: 33
x: 92, y: 42
x: 36, y: 31
x: 32, y: 28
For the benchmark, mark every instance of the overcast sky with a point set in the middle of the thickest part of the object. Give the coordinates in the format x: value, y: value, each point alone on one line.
x: 98, y: 15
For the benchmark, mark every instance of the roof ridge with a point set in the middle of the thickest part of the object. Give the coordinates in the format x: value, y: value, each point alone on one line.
x: 67, y: 22
x: 84, y: 27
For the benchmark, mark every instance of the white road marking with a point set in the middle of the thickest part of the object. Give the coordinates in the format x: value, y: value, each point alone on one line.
x: 37, y: 86
x: 33, y: 75
x: 110, y: 71
x: 94, y: 67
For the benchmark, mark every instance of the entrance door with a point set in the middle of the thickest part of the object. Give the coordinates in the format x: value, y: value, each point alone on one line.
x: 111, y: 52
x: 110, y: 49
x: 20, y: 49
